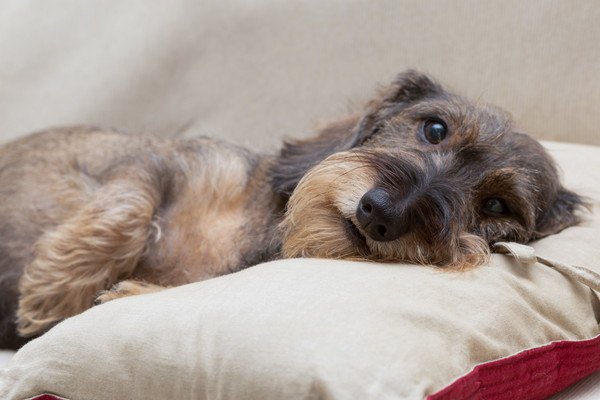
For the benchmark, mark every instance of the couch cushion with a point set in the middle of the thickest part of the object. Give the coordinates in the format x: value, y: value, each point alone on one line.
x: 5, y: 356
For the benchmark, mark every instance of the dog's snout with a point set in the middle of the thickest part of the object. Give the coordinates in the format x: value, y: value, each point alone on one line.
x: 379, y: 217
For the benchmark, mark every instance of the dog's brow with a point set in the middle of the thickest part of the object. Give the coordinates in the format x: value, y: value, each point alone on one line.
x: 503, y: 178
x: 514, y: 186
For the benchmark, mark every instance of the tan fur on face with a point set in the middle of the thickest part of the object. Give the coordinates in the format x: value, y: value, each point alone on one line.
x: 330, y: 193
x: 326, y: 196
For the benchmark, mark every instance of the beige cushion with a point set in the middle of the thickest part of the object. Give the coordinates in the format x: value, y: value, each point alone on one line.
x: 256, y: 71
x: 327, y: 329
x: 5, y: 356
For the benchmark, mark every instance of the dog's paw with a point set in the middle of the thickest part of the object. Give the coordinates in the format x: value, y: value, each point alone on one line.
x: 121, y: 289
x: 126, y: 289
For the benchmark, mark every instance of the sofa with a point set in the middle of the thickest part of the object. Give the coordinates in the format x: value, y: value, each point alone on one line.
x: 259, y: 72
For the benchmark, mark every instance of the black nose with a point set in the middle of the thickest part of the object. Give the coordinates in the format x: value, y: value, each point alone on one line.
x: 379, y: 216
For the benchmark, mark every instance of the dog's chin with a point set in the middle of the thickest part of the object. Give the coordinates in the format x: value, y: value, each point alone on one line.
x: 338, y: 237
x: 332, y: 237
x: 322, y: 229
x: 358, y: 240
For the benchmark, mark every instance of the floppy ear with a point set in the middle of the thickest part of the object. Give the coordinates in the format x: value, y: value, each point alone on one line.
x: 561, y: 215
x: 297, y: 157
x: 409, y: 87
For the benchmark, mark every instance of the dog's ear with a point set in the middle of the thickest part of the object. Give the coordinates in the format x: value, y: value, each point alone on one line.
x: 297, y: 157
x: 561, y: 214
x: 409, y: 87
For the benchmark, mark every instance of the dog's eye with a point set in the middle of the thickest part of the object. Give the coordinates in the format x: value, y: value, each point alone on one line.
x: 434, y: 131
x: 495, y: 207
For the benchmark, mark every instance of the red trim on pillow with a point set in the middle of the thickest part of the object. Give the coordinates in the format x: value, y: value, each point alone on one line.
x: 532, y: 374
x: 47, y: 397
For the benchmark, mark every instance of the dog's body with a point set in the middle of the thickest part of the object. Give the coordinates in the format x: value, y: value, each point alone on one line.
x: 163, y: 211
x: 421, y: 175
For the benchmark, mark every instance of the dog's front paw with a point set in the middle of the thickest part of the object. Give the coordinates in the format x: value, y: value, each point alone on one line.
x: 121, y: 289
x: 107, y: 295
x: 126, y: 289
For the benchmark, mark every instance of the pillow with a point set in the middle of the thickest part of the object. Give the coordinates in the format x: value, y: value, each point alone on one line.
x: 308, y: 328
x: 5, y: 356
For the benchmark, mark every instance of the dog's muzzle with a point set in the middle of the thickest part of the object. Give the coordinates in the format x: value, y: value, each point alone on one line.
x: 380, y: 217
x: 421, y: 199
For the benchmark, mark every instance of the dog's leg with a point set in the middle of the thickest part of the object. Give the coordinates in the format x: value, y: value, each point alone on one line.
x: 126, y: 289
x: 100, y: 245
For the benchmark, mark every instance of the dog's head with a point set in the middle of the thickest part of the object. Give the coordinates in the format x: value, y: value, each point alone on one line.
x: 422, y: 175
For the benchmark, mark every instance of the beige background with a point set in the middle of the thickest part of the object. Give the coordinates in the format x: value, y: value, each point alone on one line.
x: 256, y: 71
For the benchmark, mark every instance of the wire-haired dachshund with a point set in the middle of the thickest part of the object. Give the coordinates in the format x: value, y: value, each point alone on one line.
x: 419, y: 175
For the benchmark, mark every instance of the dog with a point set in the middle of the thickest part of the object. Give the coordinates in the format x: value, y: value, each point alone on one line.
x: 420, y: 175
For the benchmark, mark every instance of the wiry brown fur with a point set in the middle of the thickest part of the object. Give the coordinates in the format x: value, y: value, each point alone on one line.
x: 83, y: 209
